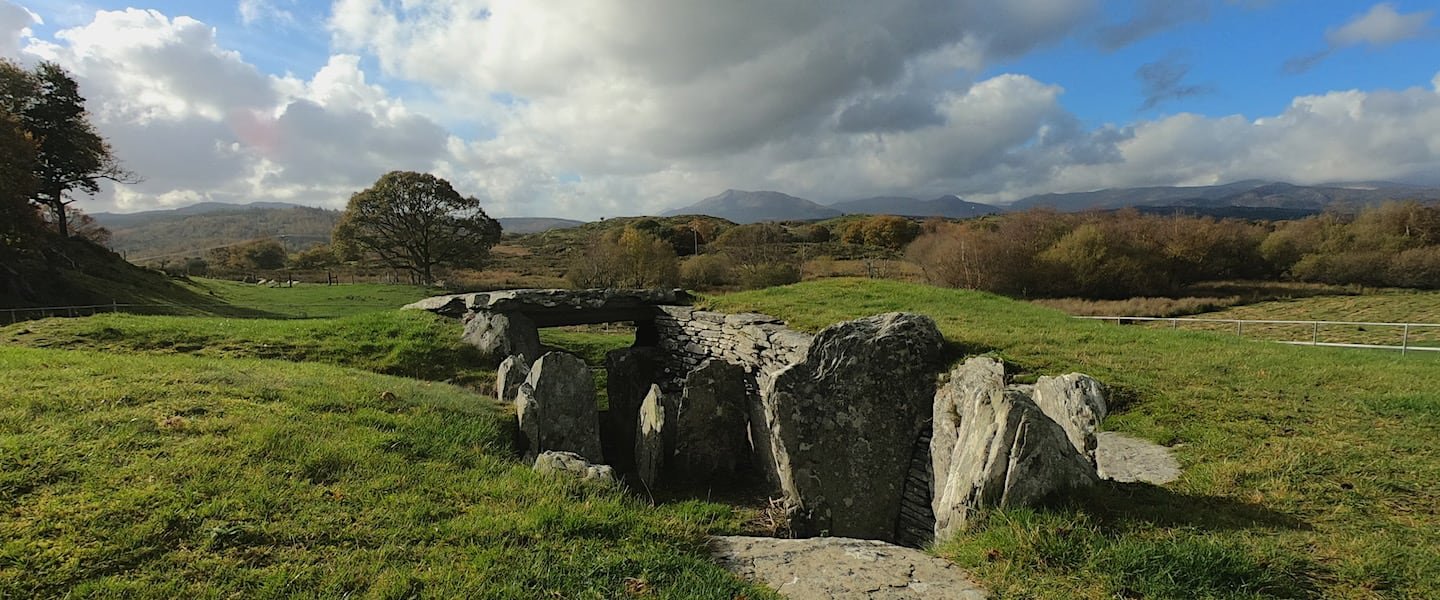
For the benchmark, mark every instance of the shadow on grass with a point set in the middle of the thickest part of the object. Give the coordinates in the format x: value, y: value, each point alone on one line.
x: 1115, y: 505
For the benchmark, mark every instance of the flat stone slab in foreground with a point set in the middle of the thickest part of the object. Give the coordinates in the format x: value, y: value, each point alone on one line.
x: 843, y: 568
x: 1127, y: 460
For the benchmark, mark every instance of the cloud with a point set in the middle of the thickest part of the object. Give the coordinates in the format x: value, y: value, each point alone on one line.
x: 1382, y: 25
x: 15, y: 22
x: 199, y: 123
x: 1151, y: 17
x: 261, y: 11
x: 1163, y: 80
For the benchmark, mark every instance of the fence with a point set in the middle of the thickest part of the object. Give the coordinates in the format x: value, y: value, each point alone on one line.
x: 1410, y: 334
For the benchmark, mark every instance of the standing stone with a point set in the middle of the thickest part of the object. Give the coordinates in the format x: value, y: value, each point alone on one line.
x: 711, y: 432
x: 843, y: 421
x: 556, y: 408
x: 498, y: 335
x: 573, y: 465
x: 1006, y: 451
x: 1077, y: 403
x: 978, y: 379
x: 508, y: 378
x: 631, y: 372
x: 651, y: 449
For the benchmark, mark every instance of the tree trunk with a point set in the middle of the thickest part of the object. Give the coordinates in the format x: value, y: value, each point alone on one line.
x: 57, y: 209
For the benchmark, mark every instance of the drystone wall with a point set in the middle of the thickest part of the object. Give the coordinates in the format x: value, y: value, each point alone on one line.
x: 760, y: 344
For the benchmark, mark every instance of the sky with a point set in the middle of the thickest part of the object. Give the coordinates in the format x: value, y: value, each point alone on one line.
x: 595, y: 108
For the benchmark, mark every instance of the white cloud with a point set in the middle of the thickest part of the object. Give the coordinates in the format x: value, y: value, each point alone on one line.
x: 15, y: 22
x: 1381, y: 26
x: 260, y: 11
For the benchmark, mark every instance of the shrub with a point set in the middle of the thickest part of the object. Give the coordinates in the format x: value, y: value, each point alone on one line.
x: 707, y: 271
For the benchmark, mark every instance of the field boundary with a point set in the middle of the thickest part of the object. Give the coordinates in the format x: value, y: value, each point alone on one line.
x: 1404, y: 347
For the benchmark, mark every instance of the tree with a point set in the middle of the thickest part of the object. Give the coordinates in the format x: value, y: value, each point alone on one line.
x: 69, y: 154
x: 631, y: 257
x: 16, y: 181
x: 416, y: 221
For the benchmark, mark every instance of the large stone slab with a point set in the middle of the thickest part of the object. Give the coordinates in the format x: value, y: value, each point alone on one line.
x: 630, y: 374
x: 841, y: 423
x: 511, y: 374
x: 652, y: 430
x: 1006, y: 451
x: 570, y: 464
x: 553, y: 307
x: 1077, y: 403
x: 556, y: 408
x: 711, y: 430
x: 499, y: 335
x: 844, y: 569
x: 1128, y: 460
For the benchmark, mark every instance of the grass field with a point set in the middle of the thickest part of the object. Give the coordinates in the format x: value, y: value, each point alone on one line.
x: 1389, y: 306
x: 310, y: 300
x: 1309, y: 472
x: 177, y: 476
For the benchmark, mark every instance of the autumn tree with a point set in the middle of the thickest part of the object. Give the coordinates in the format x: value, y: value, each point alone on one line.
x: 16, y: 180
x: 632, y: 257
x: 70, y: 155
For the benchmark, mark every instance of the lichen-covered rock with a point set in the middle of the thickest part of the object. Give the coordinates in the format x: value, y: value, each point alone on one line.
x: 711, y: 429
x: 1077, y: 403
x: 979, y: 377
x: 651, y: 449
x: 509, y: 377
x: 556, y: 408
x: 573, y: 465
x: 1005, y: 452
x: 830, y: 568
x: 842, y: 423
x: 499, y: 335
x: 631, y: 372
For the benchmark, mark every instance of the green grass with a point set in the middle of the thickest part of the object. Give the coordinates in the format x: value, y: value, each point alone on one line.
x: 1309, y: 472
x: 310, y: 300
x: 591, y: 343
x: 181, y: 476
x: 409, y: 343
x: 1388, y: 306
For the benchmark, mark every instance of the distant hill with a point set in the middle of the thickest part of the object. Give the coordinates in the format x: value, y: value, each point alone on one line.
x: 189, y: 231
x: 754, y: 207
x: 1249, y: 193
x: 526, y: 225
x: 950, y: 207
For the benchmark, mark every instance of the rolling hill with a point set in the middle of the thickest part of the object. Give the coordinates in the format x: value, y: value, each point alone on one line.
x: 754, y: 207
x: 1249, y: 193
x: 950, y: 207
x: 189, y: 231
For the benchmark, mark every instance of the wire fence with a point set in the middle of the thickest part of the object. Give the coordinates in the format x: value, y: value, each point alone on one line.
x: 1405, y: 337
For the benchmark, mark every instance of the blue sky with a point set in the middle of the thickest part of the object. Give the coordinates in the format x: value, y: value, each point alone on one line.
x: 586, y: 109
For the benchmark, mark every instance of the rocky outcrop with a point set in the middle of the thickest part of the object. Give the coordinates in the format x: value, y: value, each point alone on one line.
x: 1003, y: 450
x: 499, y: 335
x: 1077, y: 403
x: 573, y: 465
x: 511, y: 374
x: 711, y: 430
x: 841, y: 423
x: 651, y: 447
x: 832, y: 568
x: 556, y: 408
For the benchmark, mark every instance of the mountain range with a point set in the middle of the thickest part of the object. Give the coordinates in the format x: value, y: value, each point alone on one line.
x: 1252, y: 193
x: 752, y: 207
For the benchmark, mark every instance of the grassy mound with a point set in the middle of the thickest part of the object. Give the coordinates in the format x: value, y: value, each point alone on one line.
x: 408, y: 343
x: 1308, y: 471
x: 180, y: 476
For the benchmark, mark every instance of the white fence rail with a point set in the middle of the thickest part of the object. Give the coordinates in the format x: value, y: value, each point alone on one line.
x: 1405, y: 330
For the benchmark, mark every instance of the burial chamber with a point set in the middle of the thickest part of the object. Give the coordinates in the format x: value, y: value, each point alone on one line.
x: 838, y: 424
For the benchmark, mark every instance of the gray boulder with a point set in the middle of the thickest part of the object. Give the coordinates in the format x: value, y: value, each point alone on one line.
x: 1077, y: 403
x: 711, y: 429
x: 1005, y: 452
x: 556, y: 408
x: 498, y: 335
x: 509, y: 377
x: 573, y: 465
x: 651, y: 448
x: 843, y: 422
